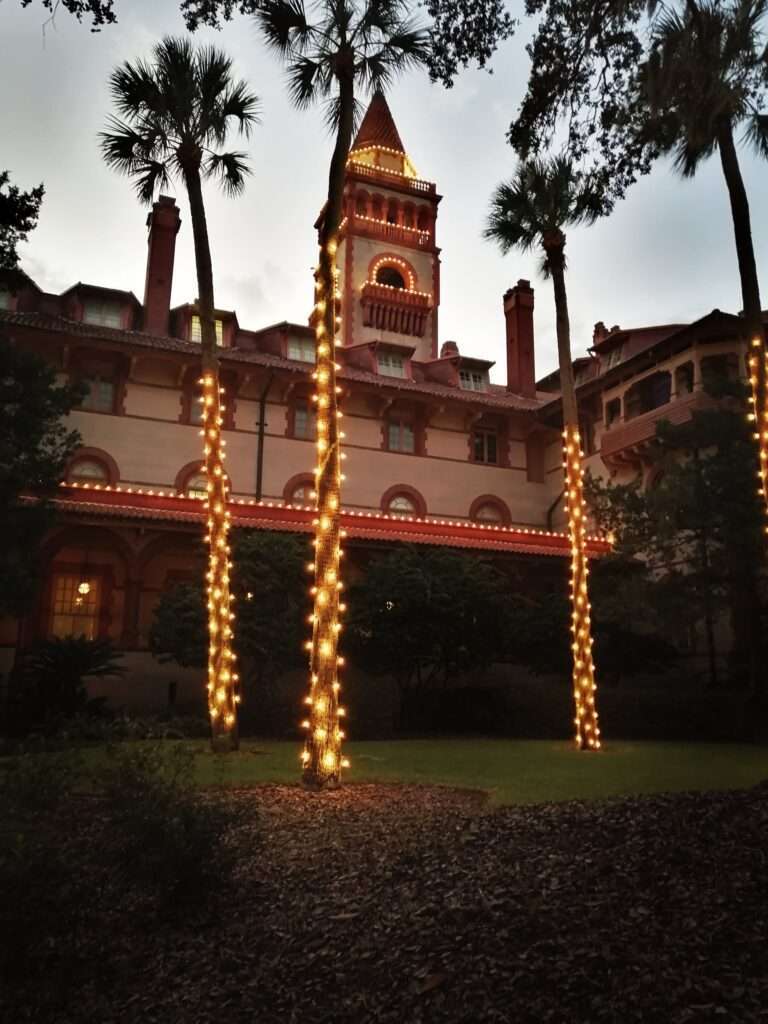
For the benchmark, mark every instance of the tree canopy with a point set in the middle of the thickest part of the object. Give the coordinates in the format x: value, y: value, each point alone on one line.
x: 18, y: 216
x: 34, y: 448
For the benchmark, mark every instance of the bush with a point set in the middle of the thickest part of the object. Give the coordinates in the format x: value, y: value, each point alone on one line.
x: 42, y: 891
x: 170, y: 843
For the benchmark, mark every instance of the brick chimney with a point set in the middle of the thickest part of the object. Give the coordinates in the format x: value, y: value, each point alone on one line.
x: 163, y: 223
x: 518, y: 313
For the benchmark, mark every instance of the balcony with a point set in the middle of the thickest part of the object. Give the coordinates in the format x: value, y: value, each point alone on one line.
x: 624, y: 436
x: 395, y: 309
x: 399, y: 234
x: 382, y: 174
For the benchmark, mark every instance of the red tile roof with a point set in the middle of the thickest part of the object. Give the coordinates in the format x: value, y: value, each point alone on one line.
x: 378, y: 127
x: 496, y: 397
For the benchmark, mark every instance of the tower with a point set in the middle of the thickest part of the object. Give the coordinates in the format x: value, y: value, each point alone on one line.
x: 389, y: 265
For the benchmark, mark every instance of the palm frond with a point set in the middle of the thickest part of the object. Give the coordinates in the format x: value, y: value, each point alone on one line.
x: 134, y: 89
x: 124, y: 148
x: 757, y: 133
x: 149, y: 178
x: 230, y: 169
x: 285, y: 26
x: 308, y: 81
x: 240, y: 104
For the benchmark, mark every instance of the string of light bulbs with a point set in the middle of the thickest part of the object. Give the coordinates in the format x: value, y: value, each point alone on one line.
x: 223, y: 695
x: 321, y: 757
x: 584, y: 687
x: 758, y: 414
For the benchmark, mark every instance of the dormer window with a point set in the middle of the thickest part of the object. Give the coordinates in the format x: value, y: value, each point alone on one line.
x: 614, y: 357
x: 196, y: 332
x: 390, y: 364
x: 302, y: 349
x: 473, y: 380
x: 103, y: 312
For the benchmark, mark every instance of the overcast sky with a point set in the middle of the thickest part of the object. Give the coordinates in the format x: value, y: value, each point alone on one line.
x: 665, y: 255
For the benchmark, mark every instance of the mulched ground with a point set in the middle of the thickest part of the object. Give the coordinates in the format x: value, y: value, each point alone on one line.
x: 403, y: 904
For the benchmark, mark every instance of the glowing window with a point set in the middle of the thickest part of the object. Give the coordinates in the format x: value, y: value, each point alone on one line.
x: 75, y: 605
x: 87, y: 471
x: 390, y: 276
x: 103, y: 312
x: 473, y: 380
x: 400, y: 437
x: 402, y: 503
x: 196, y: 486
x: 489, y: 513
x: 101, y: 393
x: 485, y: 446
x: 302, y: 349
x: 390, y: 364
x: 196, y: 334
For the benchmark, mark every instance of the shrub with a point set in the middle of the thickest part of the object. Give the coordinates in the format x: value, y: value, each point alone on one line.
x: 170, y: 843
x: 53, y: 680
x: 42, y: 890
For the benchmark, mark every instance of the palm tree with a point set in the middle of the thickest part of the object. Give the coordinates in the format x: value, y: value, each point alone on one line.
x: 704, y: 81
x: 543, y: 197
x: 340, y: 49
x: 177, y: 111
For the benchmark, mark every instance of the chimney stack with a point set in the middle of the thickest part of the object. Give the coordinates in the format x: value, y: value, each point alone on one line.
x: 600, y: 333
x: 518, y: 313
x: 163, y: 223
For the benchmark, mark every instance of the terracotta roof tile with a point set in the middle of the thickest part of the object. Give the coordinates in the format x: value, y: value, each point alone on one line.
x: 496, y: 397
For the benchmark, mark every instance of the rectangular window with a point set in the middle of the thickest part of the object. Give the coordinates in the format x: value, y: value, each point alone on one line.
x: 5, y: 298
x: 485, y: 446
x: 391, y: 364
x: 302, y: 349
x: 612, y: 411
x: 400, y: 437
x: 101, y: 394
x: 473, y: 380
x: 75, y: 605
x: 304, y: 422
x: 196, y: 334
x: 104, y: 312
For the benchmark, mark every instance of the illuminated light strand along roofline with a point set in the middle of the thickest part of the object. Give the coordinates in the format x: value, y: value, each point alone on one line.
x: 252, y: 502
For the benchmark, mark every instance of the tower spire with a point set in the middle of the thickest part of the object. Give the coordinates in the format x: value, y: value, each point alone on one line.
x: 378, y: 127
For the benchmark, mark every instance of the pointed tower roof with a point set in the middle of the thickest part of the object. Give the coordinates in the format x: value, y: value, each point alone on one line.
x: 378, y: 127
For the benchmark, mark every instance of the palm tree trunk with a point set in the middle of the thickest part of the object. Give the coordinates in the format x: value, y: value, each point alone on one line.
x: 222, y: 677
x: 583, y: 675
x: 321, y: 758
x: 750, y: 296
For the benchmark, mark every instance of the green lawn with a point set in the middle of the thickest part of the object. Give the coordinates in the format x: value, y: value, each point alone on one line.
x: 511, y: 771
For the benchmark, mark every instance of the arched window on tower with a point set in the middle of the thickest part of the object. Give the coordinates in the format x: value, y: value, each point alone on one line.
x: 390, y: 276
x: 392, y: 212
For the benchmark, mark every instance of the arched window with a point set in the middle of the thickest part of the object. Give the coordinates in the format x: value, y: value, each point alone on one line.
x: 302, y: 494
x: 422, y: 219
x: 87, y: 471
x: 196, y: 486
x: 490, y: 510
x: 392, y: 209
x: 390, y: 276
x: 403, y: 500
x: 299, y: 490
x: 488, y: 513
x: 361, y: 204
x: 402, y: 505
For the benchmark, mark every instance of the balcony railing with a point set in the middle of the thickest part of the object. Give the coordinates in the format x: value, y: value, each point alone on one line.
x: 395, y: 309
x: 372, y: 227
x: 413, y: 184
x: 624, y: 434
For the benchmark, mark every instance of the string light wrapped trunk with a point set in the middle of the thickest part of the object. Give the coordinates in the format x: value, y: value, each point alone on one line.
x: 321, y: 758
x: 223, y: 695
x: 758, y: 415
x: 584, y: 687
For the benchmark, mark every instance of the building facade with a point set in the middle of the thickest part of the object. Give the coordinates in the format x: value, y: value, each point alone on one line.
x: 436, y: 453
